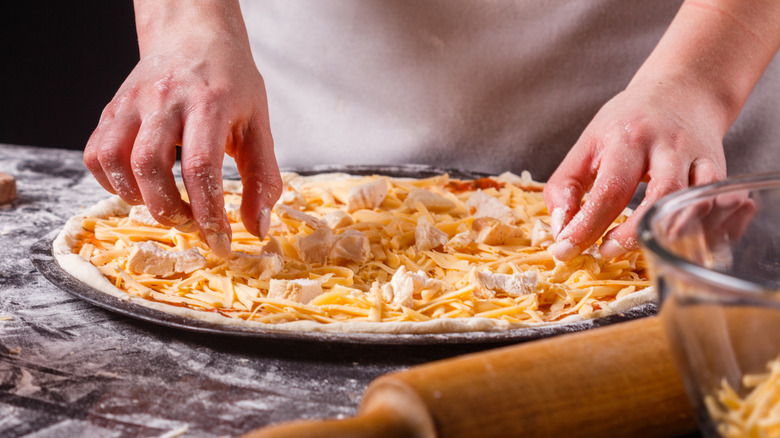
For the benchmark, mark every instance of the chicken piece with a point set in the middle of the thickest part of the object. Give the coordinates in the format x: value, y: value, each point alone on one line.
x: 460, y: 242
x: 293, y: 198
x: 273, y: 247
x: 350, y: 246
x: 541, y: 234
x: 338, y: 219
x: 300, y: 290
x: 513, y: 285
x: 185, y: 262
x: 140, y: 215
x: 315, y: 247
x: 404, y: 284
x: 491, y: 231
x: 431, y: 201
x: 585, y: 262
x: 427, y: 236
x: 367, y: 196
x: 480, y: 205
x: 261, y: 266
x: 146, y: 257
x: 524, y: 181
x: 289, y: 212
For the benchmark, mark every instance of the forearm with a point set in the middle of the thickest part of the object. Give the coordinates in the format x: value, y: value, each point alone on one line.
x: 719, y: 48
x: 189, y: 22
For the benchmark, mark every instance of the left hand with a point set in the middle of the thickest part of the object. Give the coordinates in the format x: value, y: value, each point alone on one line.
x: 665, y: 134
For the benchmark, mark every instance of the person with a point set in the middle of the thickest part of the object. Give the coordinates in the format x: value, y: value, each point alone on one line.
x: 495, y: 86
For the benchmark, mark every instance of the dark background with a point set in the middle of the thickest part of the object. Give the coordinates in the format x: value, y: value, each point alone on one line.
x: 60, y: 64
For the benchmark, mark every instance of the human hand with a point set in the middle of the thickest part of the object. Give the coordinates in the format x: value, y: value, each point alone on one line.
x: 651, y: 132
x: 667, y: 127
x: 196, y: 85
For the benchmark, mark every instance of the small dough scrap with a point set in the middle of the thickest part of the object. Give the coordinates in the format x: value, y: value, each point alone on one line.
x: 7, y: 188
x: 300, y: 290
x: 427, y: 236
x: 480, y: 205
x: 431, y: 201
x: 338, y: 219
x: 491, y: 231
x: 350, y: 246
x: 513, y: 285
x: 368, y: 196
x: 315, y: 247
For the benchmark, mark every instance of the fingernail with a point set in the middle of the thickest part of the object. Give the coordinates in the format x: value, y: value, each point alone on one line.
x: 187, y: 227
x: 556, y: 222
x: 219, y: 244
x: 610, y: 249
x: 264, y: 221
x: 565, y: 250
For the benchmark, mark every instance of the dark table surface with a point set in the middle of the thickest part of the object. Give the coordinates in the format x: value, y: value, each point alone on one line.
x: 68, y: 368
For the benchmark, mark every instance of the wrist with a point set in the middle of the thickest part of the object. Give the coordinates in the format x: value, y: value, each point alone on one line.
x: 197, y: 23
x: 708, y: 104
x: 713, y: 53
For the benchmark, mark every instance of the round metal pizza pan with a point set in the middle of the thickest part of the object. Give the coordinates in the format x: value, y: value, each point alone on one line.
x: 43, y: 259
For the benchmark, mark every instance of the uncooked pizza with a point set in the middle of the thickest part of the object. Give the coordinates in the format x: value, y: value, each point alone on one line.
x: 360, y: 254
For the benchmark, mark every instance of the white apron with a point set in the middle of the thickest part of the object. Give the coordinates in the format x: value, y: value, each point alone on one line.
x: 488, y: 85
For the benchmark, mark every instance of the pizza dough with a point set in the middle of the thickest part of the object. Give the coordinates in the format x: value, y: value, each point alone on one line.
x: 360, y: 254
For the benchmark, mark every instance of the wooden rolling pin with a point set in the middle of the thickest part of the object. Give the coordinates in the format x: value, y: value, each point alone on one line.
x: 617, y: 381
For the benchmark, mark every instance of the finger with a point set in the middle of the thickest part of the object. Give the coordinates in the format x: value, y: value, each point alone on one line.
x: 260, y: 177
x: 705, y: 171
x: 152, y: 159
x: 618, y: 177
x: 566, y: 187
x: 113, y: 154
x: 668, y: 174
x: 203, y: 146
x: 93, y: 163
x: 109, y: 121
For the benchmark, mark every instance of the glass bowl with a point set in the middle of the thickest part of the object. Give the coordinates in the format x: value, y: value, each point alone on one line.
x: 714, y: 254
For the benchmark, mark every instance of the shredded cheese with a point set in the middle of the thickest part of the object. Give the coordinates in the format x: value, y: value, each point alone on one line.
x: 757, y: 414
x: 385, y: 231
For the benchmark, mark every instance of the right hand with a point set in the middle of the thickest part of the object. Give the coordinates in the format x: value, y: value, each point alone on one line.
x: 197, y: 87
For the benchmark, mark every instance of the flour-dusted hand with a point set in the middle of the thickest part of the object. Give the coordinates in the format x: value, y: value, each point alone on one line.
x: 196, y: 85
x: 667, y: 127
x: 646, y: 133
